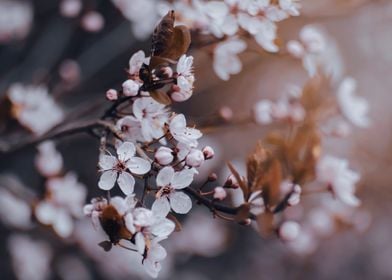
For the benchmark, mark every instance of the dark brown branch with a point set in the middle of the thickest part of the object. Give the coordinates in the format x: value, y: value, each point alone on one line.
x: 211, y: 204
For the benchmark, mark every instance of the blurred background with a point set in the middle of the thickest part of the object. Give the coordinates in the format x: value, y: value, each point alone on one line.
x: 93, y: 53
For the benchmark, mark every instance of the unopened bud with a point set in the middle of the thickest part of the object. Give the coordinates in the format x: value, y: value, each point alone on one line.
x: 212, y: 177
x: 231, y: 183
x: 226, y: 113
x: 112, y: 94
x: 220, y: 193
x: 208, y: 152
x: 195, y: 158
x: 164, y: 155
x: 130, y: 88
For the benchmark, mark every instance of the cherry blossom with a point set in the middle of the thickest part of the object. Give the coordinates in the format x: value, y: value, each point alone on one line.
x: 289, y: 231
x: 168, y: 196
x: 130, y: 88
x: 185, y: 79
x: 164, y: 155
x: 34, y: 108
x: 130, y: 128
x: 15, y: 20
x: 354, y: 108
x: 182, y: 133
x: 226, y: 61
x: 115, y: 168
x: 31, y: 259
x: 152, y: 117
x: 195, y: 158
x: 136, y: 61
x: 336, y: 173
x: 20, y: 209
x: 49, y: 161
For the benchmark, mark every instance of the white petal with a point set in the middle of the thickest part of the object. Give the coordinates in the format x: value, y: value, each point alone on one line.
x: 161, y: 207
x: 180, y: 202
x: 63, y: 224
x: 129, y: 222
x: 182, y: 179
x: 165, y: 176
x: 125, y: 151
x: 178, y: 122
x: 107, y: 180
x: 120, y: 204
x: 126, y: 183
x: 140, y: 242
x: 157, y: 253
x: 152, y: 268
x: 107, y: 162
x: 45, y: 213
x: 138, y: 165
x: 163, y: 227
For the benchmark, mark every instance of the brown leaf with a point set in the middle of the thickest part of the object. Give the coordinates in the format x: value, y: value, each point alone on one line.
x: 106, y: 245
x: 271, y: 187
x: 240, y: 180
x: 243, y: 213
x: 265, y: 223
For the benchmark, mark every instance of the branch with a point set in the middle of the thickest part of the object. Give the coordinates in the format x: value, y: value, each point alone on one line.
x: 69, y: 130
x: 211, y: 204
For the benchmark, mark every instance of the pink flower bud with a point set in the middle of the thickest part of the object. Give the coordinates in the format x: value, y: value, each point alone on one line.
x: 93, y: 21
x: 208, y: 152
x: 289, y: 231
x: 112, y: 94
x: 164, y: 155
x: 220, y: 193
x: 195, y: 158
x: 212, y: 177
x: 130, y: 88
x: 226, y: 113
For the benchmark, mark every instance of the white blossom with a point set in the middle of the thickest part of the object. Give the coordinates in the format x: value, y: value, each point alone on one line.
x: 136, y: 62
x: 15, y: 20
x: 226, y: 61
x: 34, y: 108
x: 185, y: 79
x: 14, y: 211
x: 336, y: 173
x: 164, y: 155
x: 130, y: 88
x: 182, y: 133
x: 168, y: 196
x: 115, y: 168
x: 152, y: 117
x: 354, y: 108
x: 289, y: 231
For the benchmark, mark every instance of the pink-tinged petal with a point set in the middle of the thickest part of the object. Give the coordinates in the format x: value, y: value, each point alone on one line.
x: 129, y: 222
x: 157, y: 253
x: 178, y: 122
x: 126, y: 183
x: 45, y: 213
x: 63, y: 224
x: 140, y: 242
x: 165, y: 176
x: 107, y: 162
x: 107, y: 180
x: 161, y: 207
x: 180, y: 202
x: 120, y: 204
x: 152, y: 268
x: 163, y: 227
x: 138, y: 165
x: 182, y: 179
x: 125, y: 151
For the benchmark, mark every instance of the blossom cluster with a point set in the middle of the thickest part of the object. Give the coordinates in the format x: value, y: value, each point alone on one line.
x: 230, y: 22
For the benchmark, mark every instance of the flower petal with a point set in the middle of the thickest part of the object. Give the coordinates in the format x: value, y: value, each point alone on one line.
x: 45, y: 212
x: 126, y: 183
x: 129, y: 222
x: 180, y: 202
x: 107, y: 162
x: 138, y: 165
x: 63, y: 224
x: 182, y: 179
x: 107, y: 180
x: 165, y: 176
x: 163, y: 227
x: 125, y: 151
x: 161, y: 207
x: 140, y: 242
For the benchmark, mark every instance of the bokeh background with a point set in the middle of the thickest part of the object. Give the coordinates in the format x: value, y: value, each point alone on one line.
x: 363, y: 35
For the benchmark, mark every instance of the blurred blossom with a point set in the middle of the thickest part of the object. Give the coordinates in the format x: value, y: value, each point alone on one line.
x: 354, y: 108
x: 15, y: 20
x: 48, y: 161
x: 335, y: 173
x: 30, y: 259
x: 65, y: 199
x: 14, y: 211
x: 93, y: 21
x: 70, y: 8
x: 72, y: 268
x: 34, y: 108
x: 289, y: 231
x: 69, y: 71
